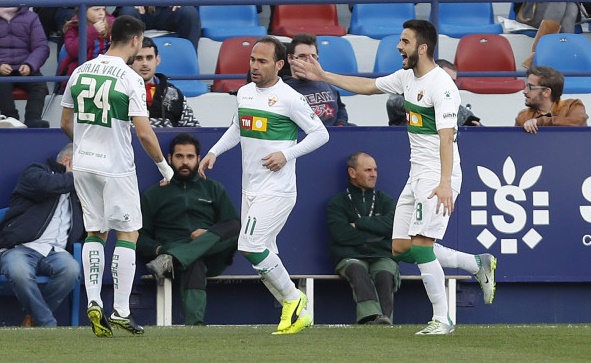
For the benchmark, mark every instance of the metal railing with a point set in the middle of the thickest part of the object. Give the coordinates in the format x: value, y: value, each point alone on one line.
x: 83, y: 4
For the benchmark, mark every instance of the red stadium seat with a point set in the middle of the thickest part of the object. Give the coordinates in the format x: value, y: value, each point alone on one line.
x: 233, y: 58
x: 289, y: 20
x: 19, y: 93
x: 486, y: 53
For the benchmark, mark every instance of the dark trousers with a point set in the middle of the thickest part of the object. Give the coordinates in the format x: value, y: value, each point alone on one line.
x: 36, y: 98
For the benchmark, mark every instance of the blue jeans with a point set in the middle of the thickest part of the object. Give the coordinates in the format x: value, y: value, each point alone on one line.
x: 21, y: 265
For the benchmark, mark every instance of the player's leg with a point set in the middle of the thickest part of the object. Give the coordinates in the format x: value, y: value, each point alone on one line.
x: 89, y: 188
x: 263, y: 217
x: 123, y: 214
x: 482, y: 266
x: 426, y: 226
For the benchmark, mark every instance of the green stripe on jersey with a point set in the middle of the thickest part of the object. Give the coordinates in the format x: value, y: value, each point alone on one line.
x: 97, y: 102
x: 259, y: 124
x: 420, y: 120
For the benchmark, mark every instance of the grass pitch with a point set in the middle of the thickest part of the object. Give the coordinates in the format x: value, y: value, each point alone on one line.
x: 320, y: 343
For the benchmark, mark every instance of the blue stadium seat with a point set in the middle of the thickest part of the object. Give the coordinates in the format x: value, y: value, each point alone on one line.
x: 5, y: 288
x: 380, y: 20
x: 388, y: 58
x: 459, y: 19
x: 567, y: 53
x: 220, y: 22
x: 179, y: 58
x: 336, y: 55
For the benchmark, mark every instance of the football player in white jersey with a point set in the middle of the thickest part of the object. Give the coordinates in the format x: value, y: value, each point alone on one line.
x: 431, y: 101
x: 102, y: 98
x: 266, y: 125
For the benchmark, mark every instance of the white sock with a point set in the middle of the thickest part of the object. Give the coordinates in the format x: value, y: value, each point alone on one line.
x: 123, y: 270
x: 434, y: 281
x: 449, y: 258
x: 93, y: 265
x: 272, y: 270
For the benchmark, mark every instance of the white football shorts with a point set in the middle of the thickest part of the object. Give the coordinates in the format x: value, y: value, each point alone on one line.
x: 109, y: 202
x: 263, y: 217
x: 415, y: 214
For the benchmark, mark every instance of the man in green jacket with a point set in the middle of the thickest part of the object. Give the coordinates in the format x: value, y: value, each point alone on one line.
x: 190, y: 228
x: 360, y: 223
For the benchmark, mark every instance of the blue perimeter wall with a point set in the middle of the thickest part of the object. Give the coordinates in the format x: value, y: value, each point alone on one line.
x: 525, y: 198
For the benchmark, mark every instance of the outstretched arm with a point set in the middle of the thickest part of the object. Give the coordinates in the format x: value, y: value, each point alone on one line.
x: 313, y: 71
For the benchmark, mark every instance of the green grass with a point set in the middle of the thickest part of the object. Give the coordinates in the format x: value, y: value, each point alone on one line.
x: 470, y: 343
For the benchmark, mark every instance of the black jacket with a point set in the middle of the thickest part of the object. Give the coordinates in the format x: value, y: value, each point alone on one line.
x: 34, y: 201
x: 169, y: 103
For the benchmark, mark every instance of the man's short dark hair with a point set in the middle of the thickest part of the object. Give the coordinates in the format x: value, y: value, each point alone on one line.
x: 302, y: 38
x: 149, y: 43
x: 444, y: 63
x: 279, y: 47
x: 549, y: 77
x: 352, y: 159
x: 184, y: 139
x: 125, y: 27
x: 425, y: 33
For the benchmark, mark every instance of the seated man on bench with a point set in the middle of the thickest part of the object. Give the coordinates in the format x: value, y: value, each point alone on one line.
x: 190, y: 228
x: 37, y: 236
x: 360, y: 220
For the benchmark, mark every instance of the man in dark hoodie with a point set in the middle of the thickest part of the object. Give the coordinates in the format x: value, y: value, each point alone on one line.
x: 166, y: 104
x: 37, y: 234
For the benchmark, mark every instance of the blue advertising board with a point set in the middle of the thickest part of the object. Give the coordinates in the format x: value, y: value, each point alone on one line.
x: 525, y: 198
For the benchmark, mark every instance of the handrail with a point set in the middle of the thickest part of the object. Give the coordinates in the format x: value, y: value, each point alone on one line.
x: 82, y: 5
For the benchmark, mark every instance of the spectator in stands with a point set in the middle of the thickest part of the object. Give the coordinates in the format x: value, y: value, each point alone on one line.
x: 548, y: 17
x: 183, y: 20
x: 53, y: 20
x: 543, y: 88
x: 44, y: 220
x: 98, y: 37
x: 167, y: 105
x: 189, y: 225
x: 360, y: 223
x: 324, y: 99
x: 23, y: 50
x: 397, y: 113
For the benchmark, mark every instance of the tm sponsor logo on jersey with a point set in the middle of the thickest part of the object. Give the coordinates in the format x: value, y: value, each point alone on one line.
x: 414, y: 118
x: 254, y: 123
x: 518, y: 211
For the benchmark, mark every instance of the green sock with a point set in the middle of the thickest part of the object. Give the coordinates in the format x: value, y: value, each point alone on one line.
x: 406, y: 256
x: 256, y: 257
x: 94, y: 239
x: 423, y: 254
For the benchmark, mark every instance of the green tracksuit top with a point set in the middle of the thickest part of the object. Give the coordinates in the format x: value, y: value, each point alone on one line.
x: 372, y: 235
x: 172, y: 212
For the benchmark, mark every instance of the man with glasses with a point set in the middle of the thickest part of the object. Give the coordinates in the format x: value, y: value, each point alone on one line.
x: 324, y: 99
x: 543, y: 88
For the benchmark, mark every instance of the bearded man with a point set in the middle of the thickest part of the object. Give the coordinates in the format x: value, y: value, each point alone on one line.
x: 190, y: 228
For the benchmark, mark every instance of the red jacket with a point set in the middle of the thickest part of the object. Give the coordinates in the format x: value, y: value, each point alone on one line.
x: 95, y: 45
